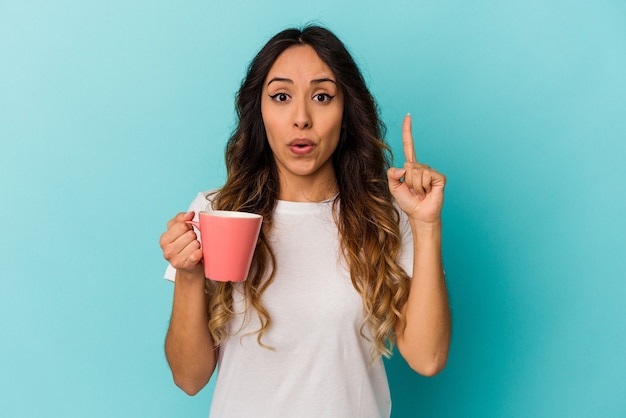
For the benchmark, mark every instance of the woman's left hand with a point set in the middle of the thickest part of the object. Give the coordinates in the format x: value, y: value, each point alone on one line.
x: 417, y: 188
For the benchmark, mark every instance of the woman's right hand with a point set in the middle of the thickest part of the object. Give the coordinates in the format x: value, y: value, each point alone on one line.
x: 180, y: 244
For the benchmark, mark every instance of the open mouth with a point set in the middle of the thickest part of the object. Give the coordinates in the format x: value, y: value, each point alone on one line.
x: 301, y: 146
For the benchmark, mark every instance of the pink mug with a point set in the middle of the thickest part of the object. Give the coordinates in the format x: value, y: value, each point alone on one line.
x: 228, y: 239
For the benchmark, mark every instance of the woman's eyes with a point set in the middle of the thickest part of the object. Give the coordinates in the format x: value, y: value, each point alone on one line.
x: 320, y: 97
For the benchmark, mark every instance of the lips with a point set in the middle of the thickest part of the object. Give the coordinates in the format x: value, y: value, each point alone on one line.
x: 301, y: 146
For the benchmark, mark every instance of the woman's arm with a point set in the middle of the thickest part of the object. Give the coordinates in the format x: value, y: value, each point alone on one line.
x: 188, y: 345
x: 425, y: 341
x: 418, y: 190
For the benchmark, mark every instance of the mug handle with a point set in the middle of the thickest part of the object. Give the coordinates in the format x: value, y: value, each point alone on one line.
x: 194, y: 223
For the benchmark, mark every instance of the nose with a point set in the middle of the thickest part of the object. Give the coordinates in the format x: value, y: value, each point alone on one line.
x: 302, y: 115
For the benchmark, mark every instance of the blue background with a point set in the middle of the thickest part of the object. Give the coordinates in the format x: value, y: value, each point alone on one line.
x: 113, y: 114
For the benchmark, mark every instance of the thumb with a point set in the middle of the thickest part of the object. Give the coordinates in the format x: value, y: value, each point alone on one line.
x: 394, y: 175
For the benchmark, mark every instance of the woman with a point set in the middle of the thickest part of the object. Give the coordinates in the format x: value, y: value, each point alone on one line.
x: 339, y: 275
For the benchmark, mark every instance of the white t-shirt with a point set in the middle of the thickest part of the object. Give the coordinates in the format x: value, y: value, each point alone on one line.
x: 321, y: 365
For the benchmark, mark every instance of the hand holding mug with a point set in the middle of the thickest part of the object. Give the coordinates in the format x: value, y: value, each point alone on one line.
x: 180, y: 244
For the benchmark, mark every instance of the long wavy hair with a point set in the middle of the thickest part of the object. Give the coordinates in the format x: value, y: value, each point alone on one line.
x: 366, y: 217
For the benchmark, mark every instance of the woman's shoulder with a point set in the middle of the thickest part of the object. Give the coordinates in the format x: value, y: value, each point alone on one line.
x: 203, y: 200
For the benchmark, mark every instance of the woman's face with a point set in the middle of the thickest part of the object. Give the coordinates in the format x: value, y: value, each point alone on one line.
x: 302, y: 109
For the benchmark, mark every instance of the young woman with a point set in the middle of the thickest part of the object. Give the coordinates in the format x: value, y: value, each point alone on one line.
x: 349, y: 256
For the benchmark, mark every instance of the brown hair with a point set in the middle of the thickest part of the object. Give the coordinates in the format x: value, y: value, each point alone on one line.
x: 367, y: 219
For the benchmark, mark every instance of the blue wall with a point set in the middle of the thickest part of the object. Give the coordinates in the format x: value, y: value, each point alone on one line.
x: 113, y: 114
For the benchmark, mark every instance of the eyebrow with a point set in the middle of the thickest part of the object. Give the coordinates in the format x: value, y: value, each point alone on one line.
x: 289, y: 81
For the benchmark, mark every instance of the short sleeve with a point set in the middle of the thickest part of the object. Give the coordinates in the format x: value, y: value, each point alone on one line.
x: 199, y: 204
x: 406, y: 253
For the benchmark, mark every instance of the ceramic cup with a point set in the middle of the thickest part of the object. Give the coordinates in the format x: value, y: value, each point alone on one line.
x: 228, y: 241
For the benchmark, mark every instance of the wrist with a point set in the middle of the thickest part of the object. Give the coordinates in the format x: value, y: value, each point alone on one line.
x: 426, y: 229
x: 193, y: 277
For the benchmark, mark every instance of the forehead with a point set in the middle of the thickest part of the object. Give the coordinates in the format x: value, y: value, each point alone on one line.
x: 300, y: 62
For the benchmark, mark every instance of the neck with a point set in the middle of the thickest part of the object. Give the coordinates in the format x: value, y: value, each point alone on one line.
x: 306, y: 189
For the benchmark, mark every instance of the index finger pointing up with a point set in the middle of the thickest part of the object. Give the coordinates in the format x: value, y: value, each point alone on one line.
x: 407, y: 140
